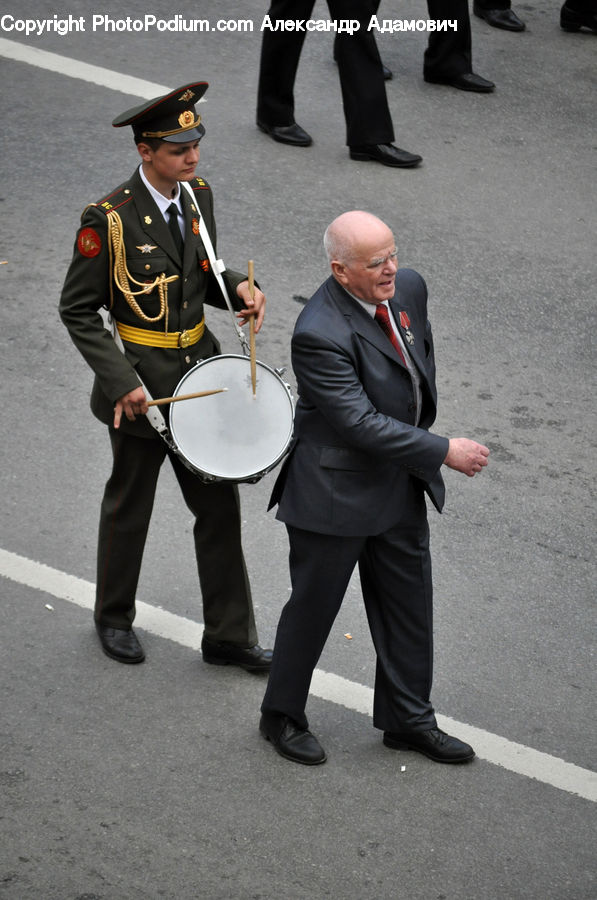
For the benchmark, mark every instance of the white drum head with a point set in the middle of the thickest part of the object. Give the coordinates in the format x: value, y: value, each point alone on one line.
x: 235, y: 436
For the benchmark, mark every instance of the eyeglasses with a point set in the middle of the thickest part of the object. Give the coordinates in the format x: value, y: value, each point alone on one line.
x: 381, y: 261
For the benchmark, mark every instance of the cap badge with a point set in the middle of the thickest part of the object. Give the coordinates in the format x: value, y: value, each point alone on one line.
x: 186, y: 118
x: 188, y: 95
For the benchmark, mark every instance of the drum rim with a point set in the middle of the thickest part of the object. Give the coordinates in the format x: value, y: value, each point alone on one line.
x: 255, y: 475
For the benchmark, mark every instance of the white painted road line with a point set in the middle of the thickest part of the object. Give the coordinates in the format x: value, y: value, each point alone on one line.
x: 74, y: 68
x: 495, y: 749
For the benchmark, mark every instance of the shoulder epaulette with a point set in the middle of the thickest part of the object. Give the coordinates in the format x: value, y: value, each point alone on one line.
x: 199, y: 184
x: 116, y: 199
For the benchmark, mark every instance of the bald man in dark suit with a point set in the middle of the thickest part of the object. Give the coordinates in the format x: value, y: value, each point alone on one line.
x: 353, y: 491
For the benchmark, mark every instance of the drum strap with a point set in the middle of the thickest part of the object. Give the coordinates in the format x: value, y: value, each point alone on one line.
x: 217, y: 267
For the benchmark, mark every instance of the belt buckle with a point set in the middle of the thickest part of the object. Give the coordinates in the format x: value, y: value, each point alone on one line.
x: 184, y: 339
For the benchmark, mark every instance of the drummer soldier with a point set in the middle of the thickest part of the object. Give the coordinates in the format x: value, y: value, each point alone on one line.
x: 139, y: 254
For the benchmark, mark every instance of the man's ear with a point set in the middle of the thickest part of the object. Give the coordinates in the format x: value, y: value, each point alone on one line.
x: 338, y: 271
x: 145, y: 152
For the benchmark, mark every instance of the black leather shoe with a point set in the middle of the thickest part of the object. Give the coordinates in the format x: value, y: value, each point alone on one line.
x: 571, y: 20
x: 292, y: 742
x: 287, y: 134
x: 435, y: 744
x: 500, y: 18
x: 251, y: 659
x: 466, y: 81
x: 117, y: 643
x: 386, y: 154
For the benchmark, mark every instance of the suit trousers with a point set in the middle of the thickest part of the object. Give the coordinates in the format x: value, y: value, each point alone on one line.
x: 449, y: 53
x: 124, y: 521
x: 493, y: 4
x: 368, y: 119
x: 395, y: 571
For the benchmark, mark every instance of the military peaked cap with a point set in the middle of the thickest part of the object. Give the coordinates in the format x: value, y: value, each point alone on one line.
x: 171, y: 118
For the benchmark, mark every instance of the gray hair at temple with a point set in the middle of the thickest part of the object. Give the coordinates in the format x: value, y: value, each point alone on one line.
x: 337, y: 243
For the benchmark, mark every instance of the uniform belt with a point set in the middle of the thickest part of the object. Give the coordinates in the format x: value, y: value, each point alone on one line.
x: 159, y: 338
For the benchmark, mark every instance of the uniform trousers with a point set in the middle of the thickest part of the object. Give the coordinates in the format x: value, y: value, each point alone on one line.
x: 124, y: 521
x: 395, y: 572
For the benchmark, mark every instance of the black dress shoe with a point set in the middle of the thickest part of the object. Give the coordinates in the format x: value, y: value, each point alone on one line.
x: 251, y: 659
x: 117, y: 643
x: 386, y: 154
x: 435, y: 744
x: 466, y: 81
x: 287, y: 134
x: 500, y: 18
x: 573, y: 20
x: 290, y: 741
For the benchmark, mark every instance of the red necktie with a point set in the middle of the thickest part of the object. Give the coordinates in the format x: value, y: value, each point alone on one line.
x: 382, y: 317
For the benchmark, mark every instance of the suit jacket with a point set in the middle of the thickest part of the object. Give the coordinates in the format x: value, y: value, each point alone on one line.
x: 357, y: 451
x: 150, y: 250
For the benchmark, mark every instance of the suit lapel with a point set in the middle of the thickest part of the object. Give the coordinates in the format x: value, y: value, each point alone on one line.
x: 415, y: 350
x: 363, y: 323
x: 397, y: 305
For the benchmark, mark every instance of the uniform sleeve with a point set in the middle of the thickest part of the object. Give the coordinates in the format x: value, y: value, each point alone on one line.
x: 86, y: 290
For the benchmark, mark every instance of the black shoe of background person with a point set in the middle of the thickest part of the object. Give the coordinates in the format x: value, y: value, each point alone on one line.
x: 251, y: 659
x: 500, y: 18
x: 386, y: 154
x: 572, y: 20
x: 290, y: 741
x: 434, y: 743
x: 287, y: 134
x: 120, y: 644
x: 466, y: 81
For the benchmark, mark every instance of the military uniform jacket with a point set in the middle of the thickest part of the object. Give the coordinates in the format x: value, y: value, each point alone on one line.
x: 150, y: 251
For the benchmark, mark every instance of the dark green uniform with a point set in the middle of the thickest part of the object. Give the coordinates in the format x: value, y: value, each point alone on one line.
x: 150, y: 252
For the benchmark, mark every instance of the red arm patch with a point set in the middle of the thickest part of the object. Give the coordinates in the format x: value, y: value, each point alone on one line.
x: 89, y: 242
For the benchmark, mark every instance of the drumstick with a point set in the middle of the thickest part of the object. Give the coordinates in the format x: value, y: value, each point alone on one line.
x: 163, y: 400
x: 252, y: 330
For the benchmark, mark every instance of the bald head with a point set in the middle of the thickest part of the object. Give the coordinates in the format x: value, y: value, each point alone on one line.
x: 343, y: 239
x: 362, y: 255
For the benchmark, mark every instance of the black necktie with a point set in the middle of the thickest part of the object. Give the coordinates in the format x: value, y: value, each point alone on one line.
x: 173, y: 226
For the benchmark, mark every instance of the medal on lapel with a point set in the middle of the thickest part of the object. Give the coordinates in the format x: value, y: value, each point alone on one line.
x: 195, y: 226
x: 405, y: 323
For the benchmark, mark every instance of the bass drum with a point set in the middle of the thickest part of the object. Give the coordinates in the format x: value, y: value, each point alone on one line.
x: 236, y: 435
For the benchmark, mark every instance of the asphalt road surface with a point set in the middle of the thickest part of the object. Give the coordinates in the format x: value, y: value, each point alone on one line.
x: 147, y: 782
